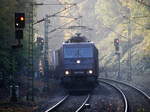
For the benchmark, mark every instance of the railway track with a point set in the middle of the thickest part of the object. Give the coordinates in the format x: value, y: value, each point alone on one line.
x: 119, y: 97
x: 57, y: 104
x: 83, y: 104
x: 122, y: 95
x: 78, y: 103
x: 138, y: 101
x: 107, y: 98
x: 69, y: 104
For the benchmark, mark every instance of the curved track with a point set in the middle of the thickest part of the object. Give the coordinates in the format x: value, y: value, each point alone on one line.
x: 69, y: 104
x: 121, y: 93
x: 138, y: 100
x: 107, y: 98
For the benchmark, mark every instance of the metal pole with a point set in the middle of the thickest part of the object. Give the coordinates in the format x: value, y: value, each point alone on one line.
x: 46, y: 66
x: 32, y: 57
x: 129, y: 77
x: 119, y: 76
x: 119, y: 67
x: 30, y: 84
x: 12, y: 77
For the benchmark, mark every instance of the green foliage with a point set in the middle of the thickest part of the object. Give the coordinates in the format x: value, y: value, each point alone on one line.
x: 114, y: 14
x: 107, y: 11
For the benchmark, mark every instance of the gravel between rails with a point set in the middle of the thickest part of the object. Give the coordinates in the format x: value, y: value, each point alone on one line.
x: 71, y: 104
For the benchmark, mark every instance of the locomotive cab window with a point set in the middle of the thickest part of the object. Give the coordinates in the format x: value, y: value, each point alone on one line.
x: 78, y: 52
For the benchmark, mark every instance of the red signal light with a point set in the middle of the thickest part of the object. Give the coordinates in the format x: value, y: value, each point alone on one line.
x: 19, y: 20
x: 116, y: 44
x: 22, y: 18
x: 117, y: 40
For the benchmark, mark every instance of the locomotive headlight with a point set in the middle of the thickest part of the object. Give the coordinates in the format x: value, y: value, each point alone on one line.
x: 90, y: 71
x: 67, y: 72
x: 78, y: 61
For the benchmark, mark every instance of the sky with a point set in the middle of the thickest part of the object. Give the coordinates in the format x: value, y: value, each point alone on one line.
x: 44, y: 10
x: 41, y: 11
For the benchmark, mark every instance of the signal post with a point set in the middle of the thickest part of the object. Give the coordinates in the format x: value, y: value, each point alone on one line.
x: 19, y: 26
x: 117, y: 52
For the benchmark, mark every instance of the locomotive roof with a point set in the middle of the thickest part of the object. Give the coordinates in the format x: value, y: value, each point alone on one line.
x: 79, y: 44
x: 77, y: 39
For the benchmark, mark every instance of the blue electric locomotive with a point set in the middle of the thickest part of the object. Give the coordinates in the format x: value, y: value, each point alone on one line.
x: 79, y: 64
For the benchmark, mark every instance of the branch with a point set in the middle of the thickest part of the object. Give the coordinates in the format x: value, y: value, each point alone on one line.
x: 143, y: 2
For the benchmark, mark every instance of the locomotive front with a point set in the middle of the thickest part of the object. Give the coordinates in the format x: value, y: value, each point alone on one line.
x: 80, y: 65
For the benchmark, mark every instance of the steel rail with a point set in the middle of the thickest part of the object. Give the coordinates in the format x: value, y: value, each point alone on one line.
x: 82, y: 106
x: 57, y: 104
x: 122, y: 94
x: 142, y: 92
